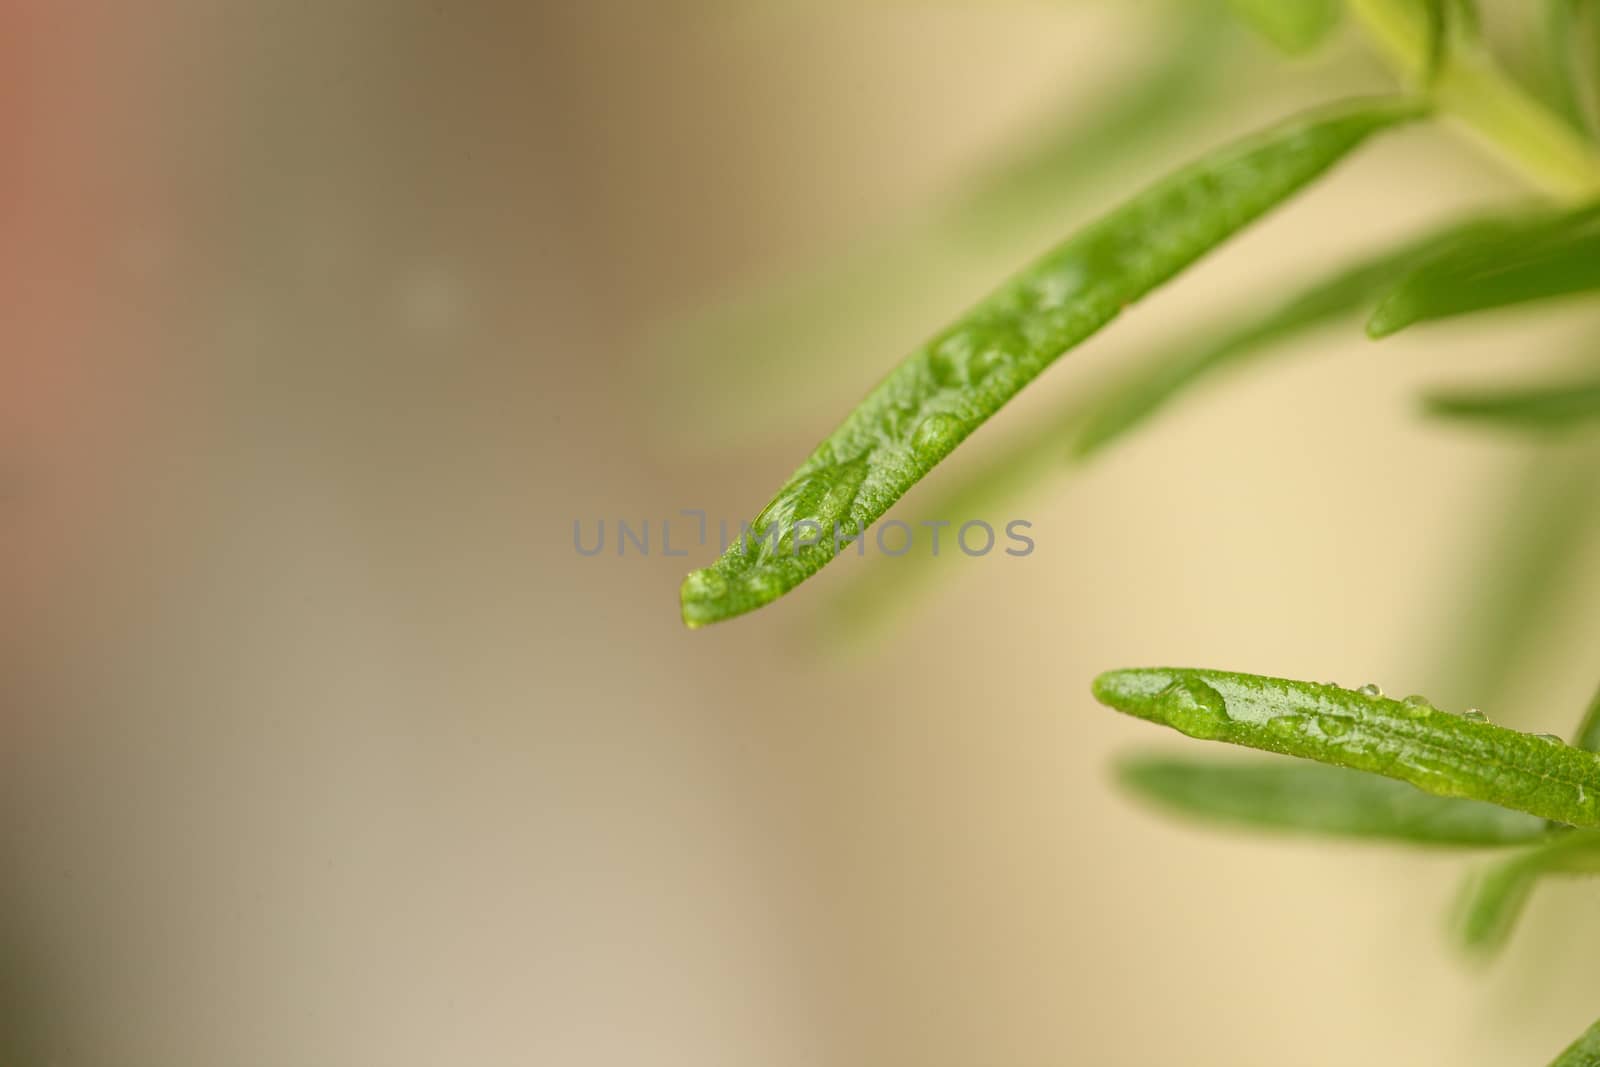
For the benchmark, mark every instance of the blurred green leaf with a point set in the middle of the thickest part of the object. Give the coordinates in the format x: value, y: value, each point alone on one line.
x: 1048, y: 170
x: 1542, y: 407
x: 1510, y: 263
x: 1493, y: 899
x: 1584, y: 1052
x: 1561, y: 25
x: 943, y: 391
x: 1588, y: 736
x: 1530, y: 543
x: 1438, y: 38
x: 1153, y: 384
x: 1318, y: 799
x: 1444, y: 754
x: 1295, y: 26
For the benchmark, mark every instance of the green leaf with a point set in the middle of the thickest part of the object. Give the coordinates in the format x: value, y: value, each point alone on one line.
x: 1513, y: 263
x: 1584, y: 1052
x: 1310, y: 798
x: 1543, y: 407
x: 1438, y: 38
x: 1152, y: 385
x: 1564, y: 45
x: 945, y: 390
x: 1493, y: 899
x: 1295, y: 26
x: 1588, y: 736
x: 1531, y: 543
x: 1438, y: 752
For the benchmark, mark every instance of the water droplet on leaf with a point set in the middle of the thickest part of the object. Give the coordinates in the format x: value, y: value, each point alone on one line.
x: 705, y: 585
x: 1192, y: 707
x: 935, y: 437
x: 763, y: 585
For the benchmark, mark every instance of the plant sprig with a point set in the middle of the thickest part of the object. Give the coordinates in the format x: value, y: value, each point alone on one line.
x: 1369, y: 767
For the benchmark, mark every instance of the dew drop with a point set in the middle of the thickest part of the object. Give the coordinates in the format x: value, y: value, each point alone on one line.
x: 1550, y: 739
x: 1415, y: 706
x: 764, y: 585
x: 1474, y: 715
x: 948, y: 361
x: 705, y: 585
x: 1371, y: 689
x: 985, y: 364
x: 936, y: 436
x: 1333, y: 726
x: 1192, y: 707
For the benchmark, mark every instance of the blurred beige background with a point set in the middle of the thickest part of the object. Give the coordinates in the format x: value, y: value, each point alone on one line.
x: 324, y: 322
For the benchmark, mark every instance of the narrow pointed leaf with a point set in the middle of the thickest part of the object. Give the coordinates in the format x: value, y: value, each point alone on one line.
x: 1493, y: 900
x: 1584, y: 1052
x: 1532, y: 535
x: 1544, y: 407
x: 1564, y: 47
x: 1311, y: 798
x: 1151, y: 386
x: 1438, y: 752
x: 1588, y: 737
x: 945, y: 390
x: 1091, y: 139
x: 1293, y: 25
x: 1438, y: 38
x: 1540, y: 258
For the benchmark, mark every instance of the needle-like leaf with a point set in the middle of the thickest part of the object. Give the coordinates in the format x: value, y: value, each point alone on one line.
x: 1444, y: 754
x: 1563, y: 25
x: 1438, y: 38
x: 1150, y: 386
x: 1516, y: 262
x: 1542, y: 407
x: 1311, y: 798
x: 1584, y: 1052
x: 1588, y: 736
x: 1293, y: 25
x: 1531, y: 538
x: 945, y: 390
x: 1493, y: 899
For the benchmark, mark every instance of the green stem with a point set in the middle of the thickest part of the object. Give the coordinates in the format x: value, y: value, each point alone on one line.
x: 1472, y: 89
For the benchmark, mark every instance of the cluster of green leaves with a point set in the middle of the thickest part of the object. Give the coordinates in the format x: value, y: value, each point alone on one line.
x: 1377, y: 768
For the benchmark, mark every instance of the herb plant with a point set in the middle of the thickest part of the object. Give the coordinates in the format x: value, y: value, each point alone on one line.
x: 1377, y: 768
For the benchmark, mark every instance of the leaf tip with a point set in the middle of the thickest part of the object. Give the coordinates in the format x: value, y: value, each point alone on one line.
x: 1129, y: 689
x: 700, y: 598
x: 722, y: 591
x: 1391, y: 317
